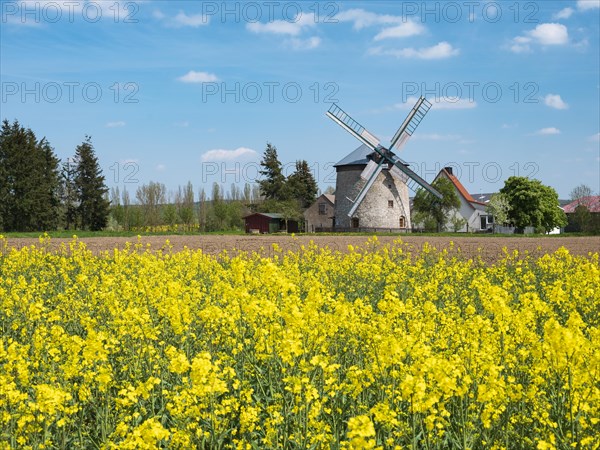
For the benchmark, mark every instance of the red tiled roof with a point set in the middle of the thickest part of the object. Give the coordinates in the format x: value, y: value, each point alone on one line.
x: 463, y: 191
x: 592, y: 203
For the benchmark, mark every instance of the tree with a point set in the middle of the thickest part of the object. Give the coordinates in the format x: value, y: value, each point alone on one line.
x: 202, y: 210
x: 247, y: 193
x: 117, y: 212
x: 582, y: 218
x: 48, y: 188
x: 301, y: 185
x: 93, y: 208
x: 68, y: 193
x: 498, y: 207
x: 532, y: 204
x: 580, y: 192
x: 186, y: 206
x: 457, y: 223
x: 170, y: 214
x: 272, y: 186
x: 151, y: 197
x: 29, y: 181
x: 430, y: 209
x: 127, y: 210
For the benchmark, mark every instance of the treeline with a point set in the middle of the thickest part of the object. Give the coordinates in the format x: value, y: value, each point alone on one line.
x: 38, y: 192
x: 154, y: 209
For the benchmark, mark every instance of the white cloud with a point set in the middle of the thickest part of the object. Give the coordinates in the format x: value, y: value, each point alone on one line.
x: 158, y: 14
x: 439, y: 103
x: 543, y: 34
x: 362, y: 18
x: 548, y: 131
x: 118, y: 124
x: 283, y: 26
x: 160, y: 167
x: 198, y: 77
x: 183, y: 124
x: 563, y: 14
x: 584, y: 5
x: 304, y: 44
x: 227, y: 155
x: 400, y: 31
x: 595, y: 137
x: 554, y: 101
x: 439, y: 51
x: 550, y: 34
x: 183, y: 20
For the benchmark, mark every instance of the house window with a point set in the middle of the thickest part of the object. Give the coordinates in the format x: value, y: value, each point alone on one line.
x: 486, y: 222
x: 402, y: 222
x: 322, y: 209
x: 390, y: 203
x: 354, y: 222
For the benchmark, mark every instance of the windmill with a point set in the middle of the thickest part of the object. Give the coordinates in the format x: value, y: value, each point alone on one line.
x: 379, y: 157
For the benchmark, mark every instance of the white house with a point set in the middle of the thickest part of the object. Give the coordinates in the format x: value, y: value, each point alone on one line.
x: 473, y: 212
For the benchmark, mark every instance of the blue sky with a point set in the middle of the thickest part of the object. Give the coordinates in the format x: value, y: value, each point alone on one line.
x: 177, y: 91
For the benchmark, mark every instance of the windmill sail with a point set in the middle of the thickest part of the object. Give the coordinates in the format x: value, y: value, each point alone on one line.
x: 366, y: 187
x: 411, y: 123
x: 371, y: 166
x: 338, y: 115
x: 414, y: 181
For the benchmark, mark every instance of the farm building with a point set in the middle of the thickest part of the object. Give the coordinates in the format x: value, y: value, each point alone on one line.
x: 319, y: 215
x: 269, y: 223
x: 581, y: 219
x: 472, y: 212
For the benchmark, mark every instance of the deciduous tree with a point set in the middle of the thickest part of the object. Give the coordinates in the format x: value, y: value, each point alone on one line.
x: 430, y: 209
x: 532, y: 204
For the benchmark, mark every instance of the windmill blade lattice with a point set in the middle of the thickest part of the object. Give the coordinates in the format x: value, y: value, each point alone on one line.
x: 411, y: 123
x: 414, y: 181
x: 363, y: 192
x: 338, y: 115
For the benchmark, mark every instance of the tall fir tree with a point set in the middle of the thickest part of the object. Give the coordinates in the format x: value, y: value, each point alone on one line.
x: 47, y: 217
x: 301, y: 185
x: 68, y: 194
x: 272, y: 186
x: 93, y: 208
x: 28, y: 180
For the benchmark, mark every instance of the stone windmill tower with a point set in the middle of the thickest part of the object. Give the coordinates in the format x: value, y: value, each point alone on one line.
x: 372, y: 182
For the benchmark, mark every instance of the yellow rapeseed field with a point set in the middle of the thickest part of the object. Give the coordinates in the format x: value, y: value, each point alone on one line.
x: 373, y: 348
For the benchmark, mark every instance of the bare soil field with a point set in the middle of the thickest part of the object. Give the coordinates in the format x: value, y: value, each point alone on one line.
x: 489, y: 248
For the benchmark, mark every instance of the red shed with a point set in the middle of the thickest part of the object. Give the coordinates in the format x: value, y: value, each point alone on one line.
x: 269, y: 223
